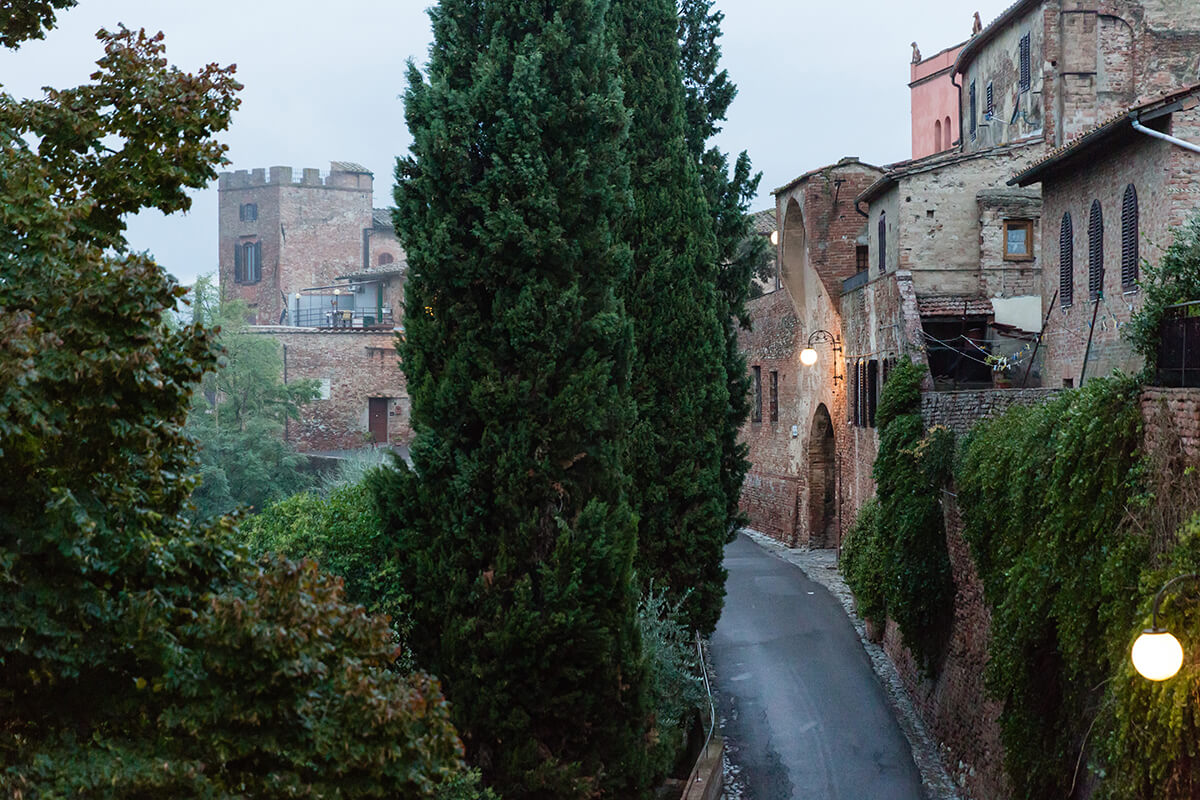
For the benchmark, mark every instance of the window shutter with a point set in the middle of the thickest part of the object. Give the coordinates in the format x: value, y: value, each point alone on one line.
x: 872, y: 390
x: 1129, y: 238
x: 882, y: 243
x: 1025, y: 67
x: 990, y: 106
x: 1066, y: 262
x: 1096, y: 251
x: 257, y: 262
x: 237, y: 263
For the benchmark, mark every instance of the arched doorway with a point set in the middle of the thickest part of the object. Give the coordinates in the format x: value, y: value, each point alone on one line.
x: 822, y: 481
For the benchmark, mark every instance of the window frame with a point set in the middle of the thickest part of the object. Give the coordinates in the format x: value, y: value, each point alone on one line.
x: 756, y: 389
x: 247, y: 263
x: 248, y: 212
x: 773, y: 399
x: 1021, y: 224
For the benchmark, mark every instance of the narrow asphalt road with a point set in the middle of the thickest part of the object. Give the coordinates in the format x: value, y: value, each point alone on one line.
x: 803, y: 714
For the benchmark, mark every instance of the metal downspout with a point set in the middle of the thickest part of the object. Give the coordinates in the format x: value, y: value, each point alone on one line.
x: 1140, y: 128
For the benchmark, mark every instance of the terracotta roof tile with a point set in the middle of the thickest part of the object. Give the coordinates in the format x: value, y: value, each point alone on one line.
x: 952, y: 305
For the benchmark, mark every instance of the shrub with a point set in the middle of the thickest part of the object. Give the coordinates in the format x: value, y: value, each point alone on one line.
x: 865, y: 562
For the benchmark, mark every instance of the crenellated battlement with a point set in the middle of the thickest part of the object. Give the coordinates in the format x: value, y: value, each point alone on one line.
x: 341, y: 175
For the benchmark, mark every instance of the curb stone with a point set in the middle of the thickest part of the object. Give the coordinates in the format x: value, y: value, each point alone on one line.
x: 821, y: 566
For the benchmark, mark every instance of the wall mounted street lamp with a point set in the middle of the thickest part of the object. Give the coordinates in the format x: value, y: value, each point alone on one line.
x: 808, y: 356
x: 774, y: 238
x: 1157, y: 655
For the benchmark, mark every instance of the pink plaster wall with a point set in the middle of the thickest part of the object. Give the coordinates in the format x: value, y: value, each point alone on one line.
x: 934, y: 100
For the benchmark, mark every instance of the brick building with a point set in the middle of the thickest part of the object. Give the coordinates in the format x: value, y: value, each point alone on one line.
x: 322, y: 271
x: 797, y: 427
x: 1111, y: 196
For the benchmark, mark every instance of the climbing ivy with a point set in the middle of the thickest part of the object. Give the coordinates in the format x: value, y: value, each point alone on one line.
x: 1044, y: 494
x: 896, y: 560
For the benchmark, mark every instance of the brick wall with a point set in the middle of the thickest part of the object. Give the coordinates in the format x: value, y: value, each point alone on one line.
x: 1165, y: 179
x: 958, y: 411
x: 358, y: 365
x: 1169, y: 413
x: 954, y: 703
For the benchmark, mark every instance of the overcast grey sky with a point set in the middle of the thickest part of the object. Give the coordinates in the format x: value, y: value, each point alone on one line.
x: 818, y: 80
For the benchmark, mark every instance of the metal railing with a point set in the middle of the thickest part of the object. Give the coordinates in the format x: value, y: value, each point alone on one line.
x: 347, y: 318
x: 1179, y: 346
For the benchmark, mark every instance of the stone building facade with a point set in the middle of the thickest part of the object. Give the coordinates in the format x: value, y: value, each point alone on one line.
x: 322, y: 271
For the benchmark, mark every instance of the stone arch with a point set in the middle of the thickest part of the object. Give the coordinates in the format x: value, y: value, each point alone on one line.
x: 794, y: 256
x: 822, y: 480
x: 937, y: 135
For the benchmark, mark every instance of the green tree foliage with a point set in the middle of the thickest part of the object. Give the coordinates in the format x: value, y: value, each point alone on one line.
x: 238, y: 419
x: 343, y: 533
x: 1174, y: 279
x: 1044, y: 493
x: 675, y: 455
x: 142, y: 655
x: 740, y: 254
x: 512, y: 531
x: 910, y: 471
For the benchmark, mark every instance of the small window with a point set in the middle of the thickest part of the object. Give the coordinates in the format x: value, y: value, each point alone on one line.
x: 1024, y: 57
x: 756, y: 411
x: 862, y: 258
x: 937, y: 134
x: 774, y: 396
x: 248, y: 212
x: 385, y: 258
x: 949, y: 136
x: 989, y: 106
x: 860, y: 414
x: 882, y: 242
x: 971, y: 109
x: 1018, y: 240
x: 1096, y: 251
x: 1066, y: 262
x: 851, y: 393
x: 1129, y: 239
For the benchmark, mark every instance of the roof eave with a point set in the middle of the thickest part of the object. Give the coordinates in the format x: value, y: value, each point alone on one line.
x: 971, y: 48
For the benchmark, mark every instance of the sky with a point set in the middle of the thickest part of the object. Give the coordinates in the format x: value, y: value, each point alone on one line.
x: 818, y: 80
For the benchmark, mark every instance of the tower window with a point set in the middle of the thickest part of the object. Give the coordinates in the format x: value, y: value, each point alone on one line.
x: 385, y: 258
x: 248, y: 212
x: 247, y: 262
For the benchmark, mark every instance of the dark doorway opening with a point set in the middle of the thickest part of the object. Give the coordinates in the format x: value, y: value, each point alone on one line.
x: 377, y: 419
x: 822, y: 481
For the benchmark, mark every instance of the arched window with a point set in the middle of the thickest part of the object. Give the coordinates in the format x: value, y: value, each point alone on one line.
x: 385, y: 258
x: 937, y: 134
x: 1129, y: 239
x: 1096, y: 251
x: 248, y: 212
x: 1066, y: 262
x: 949, y: 136
x: 882, y: 242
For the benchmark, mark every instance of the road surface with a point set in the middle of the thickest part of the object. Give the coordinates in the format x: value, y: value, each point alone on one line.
x: 803, y: 714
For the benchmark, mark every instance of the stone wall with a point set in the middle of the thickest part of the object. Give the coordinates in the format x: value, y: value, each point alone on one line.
x: 354, y: 367
x: 958, y: 411
x: 1169, y: 413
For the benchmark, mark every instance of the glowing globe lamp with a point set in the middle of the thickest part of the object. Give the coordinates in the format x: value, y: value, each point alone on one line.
x: 1157, y: 655
x: 774, y: 237
x: 808, y: 356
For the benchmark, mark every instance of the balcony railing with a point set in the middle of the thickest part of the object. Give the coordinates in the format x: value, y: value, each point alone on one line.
x: 346, y: 319
x: 1179, y: 346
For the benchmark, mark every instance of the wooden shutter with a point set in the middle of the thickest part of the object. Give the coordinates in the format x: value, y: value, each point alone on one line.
x: 257, y: 262
x: 872, y: 390
x: 971, y: 102
x: 882, y: 243
x: 990, y: 106
x: 1024, y: 57
x: 237, y: 263
x: 1096, y: 251
x: 1066, y: 262
x: 1129, y: 239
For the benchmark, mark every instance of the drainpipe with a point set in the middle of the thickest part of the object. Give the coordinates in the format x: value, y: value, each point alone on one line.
x: 1140, y: 128
x: 958, y: 86
x: 286, y: 433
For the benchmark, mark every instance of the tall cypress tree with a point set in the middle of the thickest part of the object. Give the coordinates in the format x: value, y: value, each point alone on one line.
x: 513, y: 531
x: 741, y: 256
x: 679, y: 378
